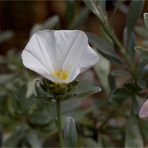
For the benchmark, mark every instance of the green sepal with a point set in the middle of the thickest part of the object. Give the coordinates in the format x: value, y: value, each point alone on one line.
x: 41, y: 93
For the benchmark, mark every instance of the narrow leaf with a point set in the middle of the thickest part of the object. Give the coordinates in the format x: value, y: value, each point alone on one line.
x: 69, y: 13
x: 89, y: 142
x: 142, y: 83
x: 143, y: 128
x: 117, y: 5
x: 14, y: 139
x: 5, y: 36
x: 142, y: 31
x: 102, y: 3
x: 81, y: 18
x: 40, y: 118
x: 87, y: 92
x: 5, y: 78
x: 134, y: 12
x: 133, y: 135
x: 50, y: 23
x: 93, y: 7
x: 102, y: 70
x: 143, y: 52
x: 129, y: 43
x: 33, y: 139
x: 104, y: 48
x: 70, y: 133
x: 112, y: 83
x: 146, y: 19
x: 119, y: 72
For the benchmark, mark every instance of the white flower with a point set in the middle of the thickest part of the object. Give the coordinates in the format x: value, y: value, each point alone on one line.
x: 59, y: 56
x: 144, y: 110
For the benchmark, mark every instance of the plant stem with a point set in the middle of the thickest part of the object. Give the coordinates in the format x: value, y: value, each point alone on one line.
x: 110, y: 32
x: 58, y: 122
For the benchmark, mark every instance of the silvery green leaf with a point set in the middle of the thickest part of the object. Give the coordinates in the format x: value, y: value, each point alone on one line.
x: 80, y: 114
x: 112, y: 82
x: 101, y: 141
x: 102, y: 3
x: 40, y: 118
x: 71, y: 105
x: 48, y: 24
x: 146, y: 19
x: 133, y: 15
x: 142, y: 83
x: 81, y: 18
x: 117, y: 5
x: 142, y: 31
x: 102, y: 70
x: 14, y: 139
x: 89, y: 142
x: 33, y: 139
x: 143, y: 52
x: 119, y: 72
x: 30, y: 88
x: 35, y: 28
x: 129, y: 43
x: 69, y: 12
x: 70, y: 133
x: 143, y: 128
x: 5, y: 78
x: 93, y: 7
x: 104, y: 48
x: 51, y: 22
x: 5, y: 36
x: 87, y: 92
x: 133, y: 134
x: 85, y: 88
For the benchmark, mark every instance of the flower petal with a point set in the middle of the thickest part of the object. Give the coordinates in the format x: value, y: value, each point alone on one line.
x: 33, y: 63
x: 41, y: 45
x: 76, y: 49
x: 73, y: 74
x: 64, y: 42
x: 88, y: 59
x: 144, y: 110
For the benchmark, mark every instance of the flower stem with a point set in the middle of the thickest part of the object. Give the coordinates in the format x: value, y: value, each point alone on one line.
x: 58, y: 122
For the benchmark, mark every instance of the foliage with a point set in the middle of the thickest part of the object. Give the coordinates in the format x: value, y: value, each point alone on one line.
x: 28, y: 112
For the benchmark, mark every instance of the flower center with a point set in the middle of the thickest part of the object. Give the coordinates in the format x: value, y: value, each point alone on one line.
x: 61, y: 74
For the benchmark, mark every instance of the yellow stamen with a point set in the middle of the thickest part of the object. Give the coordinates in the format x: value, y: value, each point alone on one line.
x: 61, y: 74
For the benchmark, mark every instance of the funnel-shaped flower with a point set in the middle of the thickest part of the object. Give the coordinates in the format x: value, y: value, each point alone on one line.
x: 144, y: 110
x: 59, y: 56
